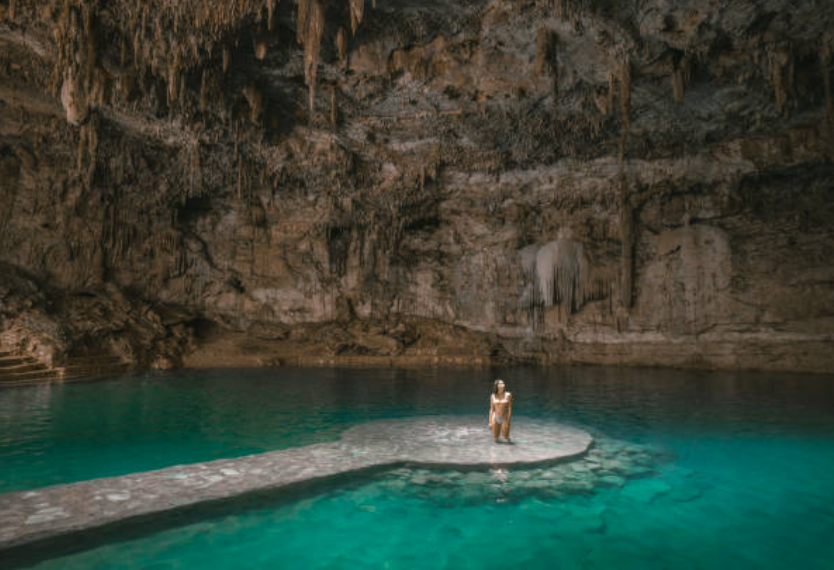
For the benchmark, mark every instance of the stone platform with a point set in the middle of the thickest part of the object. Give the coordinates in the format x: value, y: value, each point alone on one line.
x: 439, y: 441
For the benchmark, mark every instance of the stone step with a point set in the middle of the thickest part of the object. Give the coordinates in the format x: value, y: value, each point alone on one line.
x: 25, y: 367
x: 30, y: 382
x: 14, y: 360
x: 32, y: 375
x: 82, y: 369
x: 47, y: 380
x: 19, y: 370
x: 98, y: 359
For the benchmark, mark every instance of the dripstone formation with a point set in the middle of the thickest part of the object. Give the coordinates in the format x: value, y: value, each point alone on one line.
x: 255, y: 182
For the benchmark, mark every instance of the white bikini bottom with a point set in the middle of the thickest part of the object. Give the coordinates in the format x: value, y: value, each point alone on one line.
x: 499, y: 419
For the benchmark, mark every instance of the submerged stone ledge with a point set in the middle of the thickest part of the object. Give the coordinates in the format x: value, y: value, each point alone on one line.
x: 441, y: 441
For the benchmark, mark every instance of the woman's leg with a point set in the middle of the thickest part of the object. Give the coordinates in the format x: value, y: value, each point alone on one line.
x: 505, y: 429
x: 496, y: 429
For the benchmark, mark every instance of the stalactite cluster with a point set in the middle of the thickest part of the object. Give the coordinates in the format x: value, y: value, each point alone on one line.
x: 559, y: 273
x: 201, y: 30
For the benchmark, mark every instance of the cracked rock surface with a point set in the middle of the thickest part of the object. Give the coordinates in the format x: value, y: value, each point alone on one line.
x: 330, y: 182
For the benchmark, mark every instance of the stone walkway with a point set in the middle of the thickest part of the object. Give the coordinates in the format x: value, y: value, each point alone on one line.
x: 451, y: 441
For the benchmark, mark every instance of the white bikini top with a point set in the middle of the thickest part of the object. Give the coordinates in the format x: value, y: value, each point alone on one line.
x: 506, y: 400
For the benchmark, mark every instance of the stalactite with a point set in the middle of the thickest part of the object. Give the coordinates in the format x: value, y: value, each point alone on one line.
x: 600, y: 99
x: 626, y: 228
x: 89, y: 43
x: 341, y: 43
x: 612, y: 92
x: 314, y: 24
x: 175, y: 62
x: 227, y: 56
x: 204, y: 101
x: 256, y: 102
x: 357, y: 10
x: 825, y: 69
x: 239, y: 178
x: 624, y: 209
x: 782, y: 77
x: 681, y: 77
x: 562, y: 8
x: 778, y: 90
x: 270, y: 11
x: 301, y: 20
x: 260, y: 46
x: 334, y: 108
x: 625, y: 104
x: 122, y: 53
x: 546, y: 58
x: 542, y: 49
x: 81, y: 150
x: 195, y: 170
x: 92, y: 141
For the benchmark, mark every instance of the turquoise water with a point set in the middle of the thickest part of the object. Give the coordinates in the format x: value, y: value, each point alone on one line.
x: 737, y: 471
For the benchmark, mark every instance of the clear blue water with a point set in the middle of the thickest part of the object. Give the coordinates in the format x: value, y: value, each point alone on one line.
x: 741, y: 470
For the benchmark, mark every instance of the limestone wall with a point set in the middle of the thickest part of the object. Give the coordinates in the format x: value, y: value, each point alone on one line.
x: 478, y: 182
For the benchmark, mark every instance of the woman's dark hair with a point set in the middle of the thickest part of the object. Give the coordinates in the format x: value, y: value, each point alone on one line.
x: 495, y: 386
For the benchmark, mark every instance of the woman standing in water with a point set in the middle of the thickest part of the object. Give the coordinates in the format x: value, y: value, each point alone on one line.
x: 500, y: 411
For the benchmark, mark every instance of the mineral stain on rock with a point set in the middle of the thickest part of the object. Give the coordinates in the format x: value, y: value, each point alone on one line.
x: 406, y: 183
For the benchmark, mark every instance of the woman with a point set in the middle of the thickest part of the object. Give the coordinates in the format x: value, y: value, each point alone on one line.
x: 500, y: 411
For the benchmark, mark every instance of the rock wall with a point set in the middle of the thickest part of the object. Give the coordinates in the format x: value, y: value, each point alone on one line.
x: 211, y: 183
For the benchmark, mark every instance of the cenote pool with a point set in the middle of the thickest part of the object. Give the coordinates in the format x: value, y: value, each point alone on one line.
x: 689, y: 470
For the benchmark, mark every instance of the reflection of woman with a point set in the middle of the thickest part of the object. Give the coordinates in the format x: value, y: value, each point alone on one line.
x: 500, y: 411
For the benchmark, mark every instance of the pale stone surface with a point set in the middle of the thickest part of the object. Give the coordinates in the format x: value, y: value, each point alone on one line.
x: 443, y: 441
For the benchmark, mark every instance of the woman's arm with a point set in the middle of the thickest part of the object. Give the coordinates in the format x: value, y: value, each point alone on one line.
x: 509, y: 406
x: 491, y: 407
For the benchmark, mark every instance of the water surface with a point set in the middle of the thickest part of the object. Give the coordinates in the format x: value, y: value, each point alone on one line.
x: 739, y: 468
